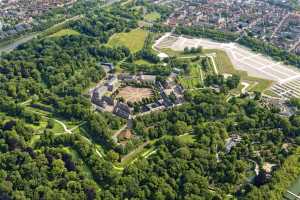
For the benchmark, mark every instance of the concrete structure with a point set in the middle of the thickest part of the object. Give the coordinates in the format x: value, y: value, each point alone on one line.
x: 147, y: 78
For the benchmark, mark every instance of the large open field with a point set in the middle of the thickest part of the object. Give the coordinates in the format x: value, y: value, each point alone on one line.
x: 134, y: 39
x: 286, y: 79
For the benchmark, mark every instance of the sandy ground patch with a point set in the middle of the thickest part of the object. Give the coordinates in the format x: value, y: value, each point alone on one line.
x: 132, y: 94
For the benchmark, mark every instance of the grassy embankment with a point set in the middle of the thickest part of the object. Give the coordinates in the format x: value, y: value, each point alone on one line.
x: 225, y: 66
x: 64, y: 32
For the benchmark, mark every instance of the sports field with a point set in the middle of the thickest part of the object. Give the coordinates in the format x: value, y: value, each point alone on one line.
x: 134, y: 39
x: 286, y: 78
x: 132, y: 94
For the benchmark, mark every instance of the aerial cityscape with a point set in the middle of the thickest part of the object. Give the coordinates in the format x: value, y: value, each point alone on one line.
x: 150, y: 99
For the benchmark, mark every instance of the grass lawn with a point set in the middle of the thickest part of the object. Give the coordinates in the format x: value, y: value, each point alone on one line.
x: 142, y: 62
x: 126, y: 2
x: 34, y: 139
x: 86, y: 170
x: 133, y: 157
x: 58, y: 128
x: 188, y: 139
x: 134, y: 39
x: 151, y: 17
x: 39, y: 111
x: 189, y: 83
x: 224, y: 65
x: 194, y: 79
x: 64, y: 32
x: 271, y: 93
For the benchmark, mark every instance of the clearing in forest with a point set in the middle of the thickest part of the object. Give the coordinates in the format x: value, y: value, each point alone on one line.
x: 64, y: 32
x: 151, y: 17
x: 134, y: 39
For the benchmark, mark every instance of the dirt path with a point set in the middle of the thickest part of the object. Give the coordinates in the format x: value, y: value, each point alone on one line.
x: 114, y: 136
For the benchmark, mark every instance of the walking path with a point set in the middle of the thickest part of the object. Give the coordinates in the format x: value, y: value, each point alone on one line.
x: 64, y: 126
x: 294, y: 195
x: 244, y: 89
x: 256, y: 170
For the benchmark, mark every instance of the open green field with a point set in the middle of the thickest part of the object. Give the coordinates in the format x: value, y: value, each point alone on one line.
x: 133, y: 156
x: 225, y: 66
x: 134, y: 39
x: 151, y: 17
x: 178, y: 54
x: 64, y: 32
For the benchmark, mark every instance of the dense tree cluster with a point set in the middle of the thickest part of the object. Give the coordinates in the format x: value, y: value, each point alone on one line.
x: 103, y: 25
x: 225, y: 84
x: 53, y: 73
x: 207, y: 33
x: 212, y: 120
x: 46, y: 174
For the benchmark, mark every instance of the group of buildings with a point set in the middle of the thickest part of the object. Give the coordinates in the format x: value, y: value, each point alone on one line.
x: 102, y: 95
x: 17, y: 16
x: 103, y: 98
x: 268, y: 21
